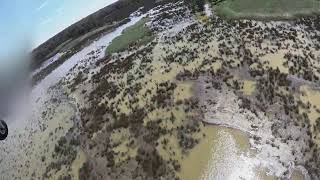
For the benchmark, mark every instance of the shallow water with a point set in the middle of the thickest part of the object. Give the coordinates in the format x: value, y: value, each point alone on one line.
x: 26, y: 142
x: 224, y: 153
x: 221, y: 154
x: 183, y: 91
x: 313, y: 97
x: 276, y: 60
x: 248, y: 87
x: 297, y: 175
x: 61, y: 71
x: 309, y: 95
x: 39, y: 94
x: 46, y: 63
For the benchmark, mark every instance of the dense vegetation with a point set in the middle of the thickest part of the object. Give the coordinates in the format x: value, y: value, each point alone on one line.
x: 266, y: 8
x: 197, y: 5
x: 137, y: 34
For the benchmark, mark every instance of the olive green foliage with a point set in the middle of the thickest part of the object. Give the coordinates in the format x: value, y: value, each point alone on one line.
x: 138, y: 34
x: 199, y: 4
x: 196, y: 5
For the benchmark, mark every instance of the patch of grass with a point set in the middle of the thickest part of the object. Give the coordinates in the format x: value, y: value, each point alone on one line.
x: 267, y: 9
x: 137, y: 34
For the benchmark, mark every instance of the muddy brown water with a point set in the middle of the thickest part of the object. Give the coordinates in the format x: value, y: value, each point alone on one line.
x: 204, y: 160
x: 224, y: 153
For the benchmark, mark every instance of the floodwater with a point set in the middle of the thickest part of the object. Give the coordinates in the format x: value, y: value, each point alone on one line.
x: 224, y: 153
x: 276, y: 60
x: 248, y: 87
x: 215, y: 156
x: 61, y: 71
x: 27, y: 143
x: 312, y: 96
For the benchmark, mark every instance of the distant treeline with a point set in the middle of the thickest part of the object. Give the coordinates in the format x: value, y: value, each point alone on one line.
x: 114, y: 12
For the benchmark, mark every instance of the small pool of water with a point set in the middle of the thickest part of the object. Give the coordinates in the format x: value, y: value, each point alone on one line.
x: 222, y: 154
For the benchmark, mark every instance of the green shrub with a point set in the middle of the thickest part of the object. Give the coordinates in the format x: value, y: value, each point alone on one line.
x: 137, y: 34
x: 197, y: 5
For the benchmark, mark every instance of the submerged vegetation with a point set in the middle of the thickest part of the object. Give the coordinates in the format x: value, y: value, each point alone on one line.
x: 138, y: 34
x: 150, y: 104
x: 145, y: 113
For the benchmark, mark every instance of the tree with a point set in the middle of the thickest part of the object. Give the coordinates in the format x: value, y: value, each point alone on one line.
x: 197, y: 5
